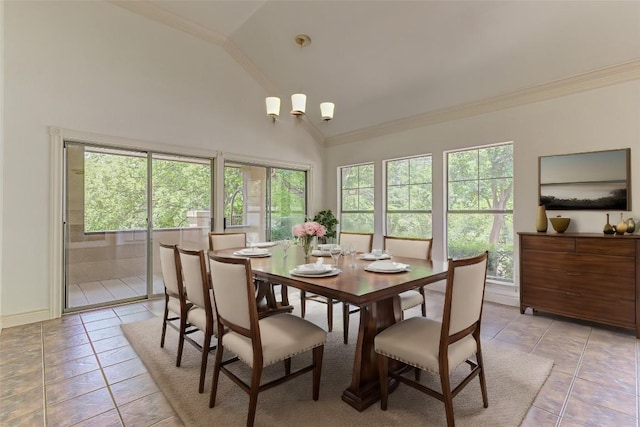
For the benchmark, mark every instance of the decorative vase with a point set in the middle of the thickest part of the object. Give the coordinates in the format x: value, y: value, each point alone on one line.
x: 631, y: 226
x: 541, y: 219
x: 307, y: 246
x: 621, y: 228
x: 608, y: 228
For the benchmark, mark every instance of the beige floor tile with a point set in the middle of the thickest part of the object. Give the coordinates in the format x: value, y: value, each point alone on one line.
x: 70, y: 369
x: 133, y: 388
x: 68, y: 353
x: 107, y: 419
x: 110, y: 343
x: 146, y: 411
x: 21, y: 382
x: 20, y: 405
x: 101, y: 334
x: 554, y: 393
x: 117, y: 355
x: 101, y: 324
x: 605, y: 396
x: 595, y: 416
x: 74, y: 387
x: 537, y: 417
x: 81, y: 408
x: 124, y: 370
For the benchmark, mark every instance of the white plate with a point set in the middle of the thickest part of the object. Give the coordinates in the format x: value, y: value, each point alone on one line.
x: 264, y: 244
x: 387, y: 267
x: 258, y: 253
x: 372, y: 257
x: 313, y: 269
x: 332, y: 272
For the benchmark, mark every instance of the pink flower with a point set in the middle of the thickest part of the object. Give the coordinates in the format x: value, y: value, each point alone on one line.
x: 309, y: 228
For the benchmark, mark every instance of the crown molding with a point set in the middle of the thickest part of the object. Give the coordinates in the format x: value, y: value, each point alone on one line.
x: 579, y: 83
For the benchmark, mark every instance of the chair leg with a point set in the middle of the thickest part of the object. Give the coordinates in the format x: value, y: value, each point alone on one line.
x: 447, y: 397
x: 303, y: 300
x: 216, y: 375
x: 183, y: 327
x: 424, y: 302
x: 287, y: 366
x: 483, y: 383
x: 345, y: 322
x: 253, y: 395
x: 164, y: 323
x: 284, y: 295
x: 383, y: 372
x: 203, y: 363
x: 317, y: 370
x: 330, y: 314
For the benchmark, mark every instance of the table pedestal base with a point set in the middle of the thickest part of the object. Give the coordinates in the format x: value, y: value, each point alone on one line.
x: 364, y: 390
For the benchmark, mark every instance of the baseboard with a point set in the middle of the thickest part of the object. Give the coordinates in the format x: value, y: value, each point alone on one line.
x: 24, y: 319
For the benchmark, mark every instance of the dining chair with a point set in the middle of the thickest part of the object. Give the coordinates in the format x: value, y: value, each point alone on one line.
x: 362, y: 242
x: 257, y: 342
x: 440, y: 346
x: 176, y: 305
x: 407, y: 247
x: 219, y: 241
x: 196, y: 283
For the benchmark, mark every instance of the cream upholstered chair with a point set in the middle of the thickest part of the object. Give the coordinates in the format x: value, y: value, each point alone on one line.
x: 362, y: 243
x: 410, y: 248
x: 439, y: 347
x: 219, y: 241
x: 176, y: 305
x: 196, y: 283
x: 257, y: 342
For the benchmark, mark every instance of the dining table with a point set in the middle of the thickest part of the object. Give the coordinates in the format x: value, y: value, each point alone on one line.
x: 375, y: 293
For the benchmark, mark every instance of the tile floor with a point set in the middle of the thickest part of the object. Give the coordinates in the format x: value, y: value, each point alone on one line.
x: 112, y: 290
x: 80, y: 371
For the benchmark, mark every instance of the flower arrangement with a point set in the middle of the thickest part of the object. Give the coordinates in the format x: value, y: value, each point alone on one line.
x: 306, y: 232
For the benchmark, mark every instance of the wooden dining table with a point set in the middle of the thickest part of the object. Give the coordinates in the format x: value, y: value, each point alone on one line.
x: 376, y: 294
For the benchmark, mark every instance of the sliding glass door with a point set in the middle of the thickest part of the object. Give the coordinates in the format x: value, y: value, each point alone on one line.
x: 110, y: 243
x: 263, y: 201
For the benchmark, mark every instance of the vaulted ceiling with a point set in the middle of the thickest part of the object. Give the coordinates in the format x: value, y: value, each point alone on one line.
x: 389, y: 65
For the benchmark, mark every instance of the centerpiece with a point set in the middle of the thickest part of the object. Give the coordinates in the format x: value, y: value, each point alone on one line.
x: 306, y: 233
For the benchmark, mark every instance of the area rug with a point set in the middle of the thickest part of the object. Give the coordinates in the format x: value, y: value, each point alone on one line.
x: 513, y: 381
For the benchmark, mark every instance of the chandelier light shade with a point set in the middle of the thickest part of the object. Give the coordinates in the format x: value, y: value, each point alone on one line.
x: 326, y: 110
x: 298, y: 104
x: 273, y: 107
x: 298, y: 100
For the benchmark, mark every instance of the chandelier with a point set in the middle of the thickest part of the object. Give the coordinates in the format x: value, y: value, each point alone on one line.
x: 298, y: 100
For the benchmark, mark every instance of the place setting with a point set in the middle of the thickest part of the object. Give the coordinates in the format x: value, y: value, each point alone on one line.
x: 253, y: 252
x: 317, y: 269
x: 387, y: 266
x: 375, y: 255
x: 323, y: 250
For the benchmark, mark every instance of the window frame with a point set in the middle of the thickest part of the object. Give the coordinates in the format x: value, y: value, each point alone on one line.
x: 479, y: 211
x: 358, y: 211
x: 385, y: 180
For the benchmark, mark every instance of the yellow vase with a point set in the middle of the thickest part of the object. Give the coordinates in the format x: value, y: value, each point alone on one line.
x: 541, y: 219
x: 621, y: 228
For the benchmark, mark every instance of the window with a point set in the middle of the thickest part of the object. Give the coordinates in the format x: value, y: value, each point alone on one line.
x: 356, y: 198
x: 264, y: 201
x: 480, y: 206
x: 408, y: 197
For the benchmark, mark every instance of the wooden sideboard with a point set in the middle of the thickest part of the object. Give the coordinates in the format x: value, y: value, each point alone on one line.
x: 586, y: 276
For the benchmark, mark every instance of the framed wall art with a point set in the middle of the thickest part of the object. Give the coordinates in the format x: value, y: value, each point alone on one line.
x: 598, y: 180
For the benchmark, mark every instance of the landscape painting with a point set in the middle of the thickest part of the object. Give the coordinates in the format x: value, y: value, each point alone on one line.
x: 597, y: 180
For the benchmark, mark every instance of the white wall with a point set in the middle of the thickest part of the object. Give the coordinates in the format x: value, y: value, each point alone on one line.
x: 601, y: 119
x: 95, y: 67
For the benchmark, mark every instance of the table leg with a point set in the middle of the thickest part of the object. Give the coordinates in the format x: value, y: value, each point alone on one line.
x: 365, y: 389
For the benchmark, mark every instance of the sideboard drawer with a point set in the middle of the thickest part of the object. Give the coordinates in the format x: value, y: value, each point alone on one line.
x: 580, y: 263
x: 548, y: 243
x: 583, y: 306
x: 612, y: 246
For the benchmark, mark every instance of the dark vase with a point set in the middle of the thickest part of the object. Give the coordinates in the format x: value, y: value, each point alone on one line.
x: 608, y: 228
